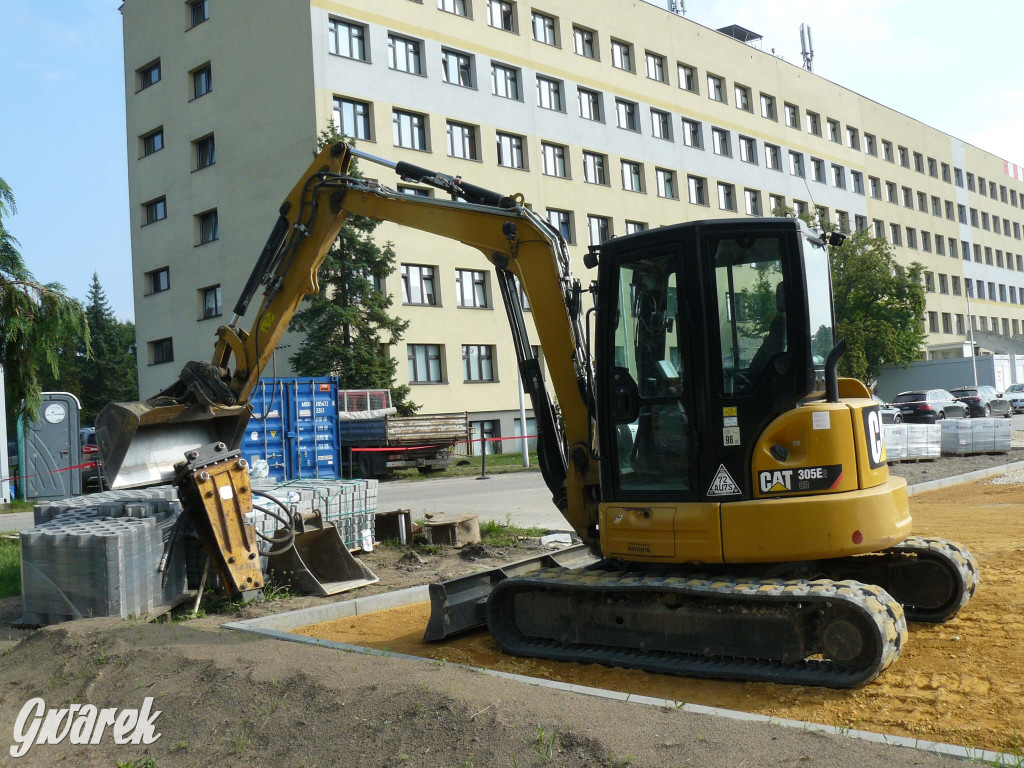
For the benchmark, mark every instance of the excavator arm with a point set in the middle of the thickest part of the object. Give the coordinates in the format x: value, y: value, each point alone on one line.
x: 143, y: 443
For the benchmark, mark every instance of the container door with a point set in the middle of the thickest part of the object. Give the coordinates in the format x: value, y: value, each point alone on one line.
x: 313, y: 428
x: 52, y: 449
x: 265, y: 436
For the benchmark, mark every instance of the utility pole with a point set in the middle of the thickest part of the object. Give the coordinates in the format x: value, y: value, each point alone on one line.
x: 5, y: 482
x: 970, y: 326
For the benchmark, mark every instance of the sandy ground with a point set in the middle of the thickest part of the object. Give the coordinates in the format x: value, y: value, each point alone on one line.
x: 961, y: 682
x: 232, y: 699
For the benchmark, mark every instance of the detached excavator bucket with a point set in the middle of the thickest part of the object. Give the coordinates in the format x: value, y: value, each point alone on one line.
x: 319, y: 563
x: 140, y: 442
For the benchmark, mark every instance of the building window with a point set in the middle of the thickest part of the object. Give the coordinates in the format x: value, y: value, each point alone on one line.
x: 743, y: 98
x: 870, y: 145
x: 687, y: 77
x: 796, y: 164
x: 833, y: 130
x: 632, y: 176
x: 716, y: 88
x: 895, y: 235
x: 211, y: 306
x: 908, y: 197
x: 887, y: 151
x: 800, y: 208
x: 933, y: 322
x: 589, y: 104
x: 158, y: 280
x: 405, y: 55
x: 424, y: 363
x: 958, y: 175
x: 583, y: 42
x: 594, y: 168
x: 152, y: 142
x: 562, y: 222
x: 626, y: 115
x: 697, y: 189
x: 484, y: 434
x: 818, y: 169
x: 471, y: 288
x: 890, y: 193
x: 510, y: 151
x: 198, y: 12
x: 418, y: 285
x: 505, y: 81
x: 661, y: 124
x: 207, y: 228
x: 926, y: 242
x: 544, y: 29
x: 940, y: 245
x: 792, y: 115
x: 666, y: 183
x: 692, y: 134
x: 477, y: 362
x: 838, y: 176
x: 352, y: 118
x: 409, y: 130
x: 554, y: 159
x: 161, y: 351
x: 155, y: 210
x: 501, y: 15
x: 549, y: 93
x: 772, y: 157
x: 458, y: 7
x: 752, y: 202
x: 656, y: 67
x: 911, y: 237
x: 852, y: 137
x: 933, y: 171
x: 347, y: 39
x: 860, y: 222
x: 720, y: 142
x: 904, y: 156
x: 202, y: 81
x: 946, y: 178
x: 943, y: 282
x: 148, y: 75
x: 457, y: 67
x: 748, y: 149
x: 813, y: 124
x: 768, y: 107
x: 726, y: 197
x: 632, y: 227
x: 204, y: 153
x: 462, y: 141
x: 622, y: 55
x: 857, y: 182
x: 875, y: 187
x: 599, y: 227
x: 877, y: 228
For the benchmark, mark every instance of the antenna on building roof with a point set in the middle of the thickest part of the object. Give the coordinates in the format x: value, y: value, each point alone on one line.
x: 678, y: 7
x: 806, y: 46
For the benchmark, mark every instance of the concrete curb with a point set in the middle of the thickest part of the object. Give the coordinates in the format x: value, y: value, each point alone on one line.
x: 969, y: 477
x: 278, y: 626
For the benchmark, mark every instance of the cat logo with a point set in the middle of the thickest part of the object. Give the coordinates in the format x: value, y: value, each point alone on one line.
x: 874, y: 436
x: 776, y: 481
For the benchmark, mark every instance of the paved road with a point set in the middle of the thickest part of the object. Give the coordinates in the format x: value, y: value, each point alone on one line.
x: 519, y: 497
x: 16, y: 521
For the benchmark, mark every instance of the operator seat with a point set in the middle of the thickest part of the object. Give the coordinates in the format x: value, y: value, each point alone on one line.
x: 775, y: 341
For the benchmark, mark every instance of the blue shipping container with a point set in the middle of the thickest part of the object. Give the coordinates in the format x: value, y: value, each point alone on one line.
x: 294, y: 427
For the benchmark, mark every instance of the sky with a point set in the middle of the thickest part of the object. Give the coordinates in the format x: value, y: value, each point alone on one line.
x: 62, y: 127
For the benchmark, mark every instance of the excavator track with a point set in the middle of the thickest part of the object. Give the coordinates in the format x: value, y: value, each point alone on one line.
x: 931, y: 578
x: 838, y: 634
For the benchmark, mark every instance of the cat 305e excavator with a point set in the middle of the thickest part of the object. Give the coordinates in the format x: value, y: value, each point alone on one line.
x: 732, y: 487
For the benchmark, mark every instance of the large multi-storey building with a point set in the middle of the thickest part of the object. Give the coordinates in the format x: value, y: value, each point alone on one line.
x: 609, y: 117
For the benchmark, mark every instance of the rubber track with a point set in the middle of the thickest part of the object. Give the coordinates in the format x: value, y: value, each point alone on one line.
x: 956, y: 557
x: 884, y: 615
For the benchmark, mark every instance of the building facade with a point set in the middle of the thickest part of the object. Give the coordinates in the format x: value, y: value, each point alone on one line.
x: 608, y: 117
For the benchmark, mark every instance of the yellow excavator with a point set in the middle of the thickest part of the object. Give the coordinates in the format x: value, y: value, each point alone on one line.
x: 731, y: 488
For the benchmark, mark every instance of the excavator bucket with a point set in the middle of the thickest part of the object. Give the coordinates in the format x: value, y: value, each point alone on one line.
x: 140, y: 442
x: 319, y: 563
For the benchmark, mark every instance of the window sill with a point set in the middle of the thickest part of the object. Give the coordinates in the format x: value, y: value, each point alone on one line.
x: 211, y: 317
x: 196, y: 170
x: 206, y: 242
x: 462, y: 307
x: 417, y: 304
x: 427, y: 383
x: 194, y: 98
x: 481, y: 381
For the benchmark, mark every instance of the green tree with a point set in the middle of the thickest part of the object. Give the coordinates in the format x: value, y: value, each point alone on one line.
x: 879, y: 303
x: 113, y: 353
x: 347, y: 327
x: 38, y: 322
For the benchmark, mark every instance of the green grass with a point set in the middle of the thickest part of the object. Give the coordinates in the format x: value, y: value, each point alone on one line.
x: 17, y: 505
x: 497, y: 464
x: 495, y: 534
x: 10, y: 567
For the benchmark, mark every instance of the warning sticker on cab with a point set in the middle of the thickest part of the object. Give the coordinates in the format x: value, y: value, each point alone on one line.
x: 723, y: 484
x: 821, y: 478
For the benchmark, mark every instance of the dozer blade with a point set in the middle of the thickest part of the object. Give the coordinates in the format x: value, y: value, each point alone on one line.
x: 319, y: 563
x: 140, y: 443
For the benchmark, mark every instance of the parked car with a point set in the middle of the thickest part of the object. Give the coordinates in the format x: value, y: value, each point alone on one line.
x: 890, y: 413
x: 90, y: 453
x: 1015, y: 394
x: 983, y: 400
x: 926, y: 406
